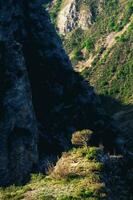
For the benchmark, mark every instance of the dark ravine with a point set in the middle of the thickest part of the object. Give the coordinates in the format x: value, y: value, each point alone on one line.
x: 40, y: 94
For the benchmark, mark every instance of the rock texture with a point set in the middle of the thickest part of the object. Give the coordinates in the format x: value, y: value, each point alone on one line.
x: 18, y: 127
x: 85, y: 18
x: 77, y: 14
x: 68, y: 17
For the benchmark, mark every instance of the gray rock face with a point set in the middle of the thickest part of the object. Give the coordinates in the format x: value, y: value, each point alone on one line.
x: 68, y: 18
x: 77, y: 14
x: 18, y: 127
x: 18, y: 131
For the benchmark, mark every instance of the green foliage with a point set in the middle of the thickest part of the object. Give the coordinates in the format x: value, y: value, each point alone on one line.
x: 122, y: 38
x: 107, y: 21
x: 54, y: 11
x: 77, y: 55
x: 37, y: 177
x: 111, y: 24
x: 93, y: 153
x: 89, y: 194
x: 112, y: 75
x: 130, y: 27
x: 83, y: 181
x: 13, y: 192
x: 113, y: 16
x: 88, y: 44
x: 73, y: 40
x: 129, y: 10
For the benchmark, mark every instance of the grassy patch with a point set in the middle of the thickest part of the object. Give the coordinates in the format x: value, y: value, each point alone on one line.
x: 82, y: 180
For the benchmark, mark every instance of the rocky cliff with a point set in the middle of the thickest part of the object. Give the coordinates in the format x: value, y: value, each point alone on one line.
x: 41, y: 98
x: 77, y: 14
x: 18, y: 127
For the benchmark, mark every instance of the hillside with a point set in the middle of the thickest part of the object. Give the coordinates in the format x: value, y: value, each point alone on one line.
x: 42, y: 99
x: 94, y: 49
x: 80, y: 174
x: 66, y: 100
x: 102, y: 51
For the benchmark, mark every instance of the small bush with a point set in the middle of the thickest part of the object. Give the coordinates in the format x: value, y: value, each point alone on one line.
x: 77, y: 55
x: 122, y: 38
x: 82, y: 138
x: 86, y: 193
x: 61, y: 171
x: 89, y: 44
x: 37, y: 177
x: 93, y: 153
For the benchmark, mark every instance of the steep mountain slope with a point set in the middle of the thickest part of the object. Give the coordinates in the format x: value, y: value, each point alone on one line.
x: 41, y: 97
x: 103, y: 51
x: 106, y: 41
x: 112, y: 70
x: 43, y: 101
x: 80, y: 174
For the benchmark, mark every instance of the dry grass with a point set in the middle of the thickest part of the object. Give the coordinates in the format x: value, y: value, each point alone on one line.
x: 75, y: 164
x: 73, y: 177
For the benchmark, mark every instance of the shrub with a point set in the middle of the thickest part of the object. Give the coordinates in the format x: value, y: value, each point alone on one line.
x: 93, y: 153
x: 86, y: 193
x: 82, y: 138
x: 61, y: 171
x: 37, y: 177
x: 77, y: 55
x: 89, y: 44
x: 121, y: 38
x: 111, y: 24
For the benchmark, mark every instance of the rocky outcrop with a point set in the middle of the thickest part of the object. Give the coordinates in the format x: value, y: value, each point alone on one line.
x: 85, y: 18
x: 67, y: 18
x: 77, y: 14
x: 18, y: 127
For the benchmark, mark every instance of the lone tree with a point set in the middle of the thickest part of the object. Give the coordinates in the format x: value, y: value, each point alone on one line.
x: 82, y: 138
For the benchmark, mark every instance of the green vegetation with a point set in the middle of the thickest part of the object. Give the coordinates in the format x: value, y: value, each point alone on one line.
x: 93, y: 153
x: 74, y: 40
x: 54, y: 10
x: 77, y: 55
x: 113, y: 75
x: 88, y: 44
x: 13, y: 192
x: 113, y: 16
x: 80, y: 173
x: 81, y: 181
x: 111, y: 71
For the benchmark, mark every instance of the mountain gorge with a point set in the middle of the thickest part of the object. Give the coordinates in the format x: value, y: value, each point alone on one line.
x: 102, y: 52
x: 66, y: 74
x: 42, y: 98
